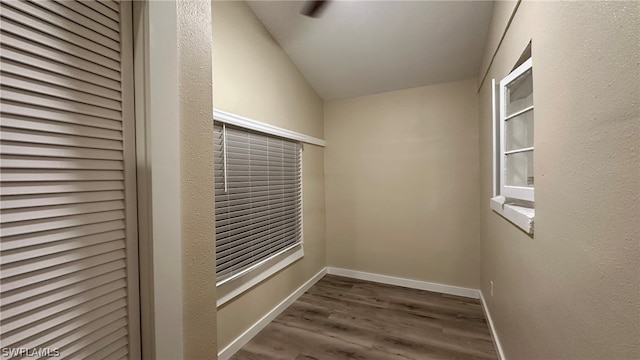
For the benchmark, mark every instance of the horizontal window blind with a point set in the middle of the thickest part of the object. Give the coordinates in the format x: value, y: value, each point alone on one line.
x: 258, y: 198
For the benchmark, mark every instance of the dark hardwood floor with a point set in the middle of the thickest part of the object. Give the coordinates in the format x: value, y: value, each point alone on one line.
x: 343, y: 318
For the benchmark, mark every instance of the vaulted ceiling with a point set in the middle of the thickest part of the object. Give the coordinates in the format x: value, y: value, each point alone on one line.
x: 365, y: 47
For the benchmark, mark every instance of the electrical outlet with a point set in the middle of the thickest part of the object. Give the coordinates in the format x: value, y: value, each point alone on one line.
x: 491, y: 288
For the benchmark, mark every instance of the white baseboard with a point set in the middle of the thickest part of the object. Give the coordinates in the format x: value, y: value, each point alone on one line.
x: 241, y: 340
x: 414, y: 284
x: 494, y: 334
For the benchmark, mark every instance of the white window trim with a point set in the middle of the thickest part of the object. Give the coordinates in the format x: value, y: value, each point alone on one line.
x: 247, y: 123
x: 235, y: 286
x: 228, y: 290
x: 495, y: 121
x: 516, y: 192
x: 520, y: 213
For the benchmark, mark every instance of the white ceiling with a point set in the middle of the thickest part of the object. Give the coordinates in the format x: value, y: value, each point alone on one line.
x: 365, y: 47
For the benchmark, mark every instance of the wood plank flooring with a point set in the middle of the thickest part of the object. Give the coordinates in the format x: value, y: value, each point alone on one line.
x: 343, y: 318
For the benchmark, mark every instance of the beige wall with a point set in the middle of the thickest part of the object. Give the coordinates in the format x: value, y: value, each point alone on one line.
x: 573, y: 290
x: 196, y: 172
x: 253, y: 77
x: 402, y: 183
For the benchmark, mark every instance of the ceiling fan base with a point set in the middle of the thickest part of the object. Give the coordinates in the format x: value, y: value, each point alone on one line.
x: 314, y: 8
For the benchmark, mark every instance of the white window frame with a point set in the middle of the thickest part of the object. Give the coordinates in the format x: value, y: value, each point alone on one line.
x: 515, y: 192
x: 231, y: 288
x: 514, y: 203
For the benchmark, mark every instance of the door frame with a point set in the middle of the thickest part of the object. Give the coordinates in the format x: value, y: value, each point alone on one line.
x: 157, y: 132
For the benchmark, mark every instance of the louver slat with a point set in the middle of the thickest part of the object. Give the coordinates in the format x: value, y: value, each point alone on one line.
x: 38, y: 87
x: 33, y: 73
x: 10, y: 121
x: 37, y: 289
x: 86, y: 335
x: 61, y: 246
x: 67, y: 24
x: 27, y: 33
x: 65, y: 162
x: 79, y: 327
x: 101, y: 9
x: 35, y: 98
x: 65, y: 192
x: 47, y: 274
x: 44, y: 52
x: 35, y: 112
x: 32, y: 63
x: 73, y: 141
x: 26, y: 18
x: 99, y: 344
x: 51, y: 187
x: 95, y: 16
x: 36, y: 328
x: 62, y: 293
x: 111, y: 4
x: 258, y: 201
x: 59, y: 199
x: 80, y: 14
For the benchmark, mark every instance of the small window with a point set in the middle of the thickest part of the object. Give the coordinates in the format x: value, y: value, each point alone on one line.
x: 516, y: 175
x: 513, y: 135
x: 258, y: 199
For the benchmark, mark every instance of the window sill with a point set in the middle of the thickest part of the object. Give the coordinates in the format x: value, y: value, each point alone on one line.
x: 519, y: 215
x: 228, y: 290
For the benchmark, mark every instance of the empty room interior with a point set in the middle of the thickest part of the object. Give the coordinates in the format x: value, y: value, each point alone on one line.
x: 320, y: 180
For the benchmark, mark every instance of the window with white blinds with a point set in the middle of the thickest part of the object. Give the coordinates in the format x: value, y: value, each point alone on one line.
x: 258, y: 199
x: 68, y: 249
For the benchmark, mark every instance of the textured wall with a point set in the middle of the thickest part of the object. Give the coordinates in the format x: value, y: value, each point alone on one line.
x: 573, y: 290
x: 402, y: 183
x: 196, y: 172
x: 253, y: 77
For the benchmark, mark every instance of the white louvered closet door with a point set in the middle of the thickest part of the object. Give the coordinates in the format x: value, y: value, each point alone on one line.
x: 68, y: 255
